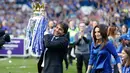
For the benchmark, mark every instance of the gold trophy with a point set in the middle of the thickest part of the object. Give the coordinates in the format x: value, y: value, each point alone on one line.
x: 38, y: 9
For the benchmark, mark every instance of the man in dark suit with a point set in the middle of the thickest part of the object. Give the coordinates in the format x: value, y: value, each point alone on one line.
x: 56, y: 48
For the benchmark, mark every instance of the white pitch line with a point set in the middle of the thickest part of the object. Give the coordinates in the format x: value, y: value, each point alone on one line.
x: 2, y: 59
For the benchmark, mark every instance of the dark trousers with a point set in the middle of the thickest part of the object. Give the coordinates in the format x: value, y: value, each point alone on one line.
x: 69, y: 54
x: 115, y: 69
x: 99, y: 71
x: 66, y: 61
x: 80, y: 59
x: 40, y: 63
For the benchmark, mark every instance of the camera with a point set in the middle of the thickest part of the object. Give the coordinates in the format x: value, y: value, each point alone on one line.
x: 4, y: 37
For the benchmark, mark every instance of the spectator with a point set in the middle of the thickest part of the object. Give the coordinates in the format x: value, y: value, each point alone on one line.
x: 72, y: 32
x: 82, y: 50
x: 112, y: 30
x: 124, y: 29
x: 126, y: 60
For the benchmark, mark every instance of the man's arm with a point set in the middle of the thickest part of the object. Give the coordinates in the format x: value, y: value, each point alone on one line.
x: 58, y: 44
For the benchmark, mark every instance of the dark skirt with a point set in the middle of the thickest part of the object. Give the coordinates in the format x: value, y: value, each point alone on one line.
x: 97, y: 71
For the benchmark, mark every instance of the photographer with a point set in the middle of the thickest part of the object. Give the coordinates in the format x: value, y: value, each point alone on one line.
x: 4, y: 37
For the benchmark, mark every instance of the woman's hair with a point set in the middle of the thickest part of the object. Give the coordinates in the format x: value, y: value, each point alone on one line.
x: 111, y: 30
x: 103, y: 31
x: 126, y: 62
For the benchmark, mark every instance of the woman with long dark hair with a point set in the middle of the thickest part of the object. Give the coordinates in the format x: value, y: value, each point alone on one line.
x: 101, y: 51
x: 126, y: 60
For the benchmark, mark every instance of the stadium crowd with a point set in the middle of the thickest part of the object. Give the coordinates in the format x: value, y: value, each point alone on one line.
x: 14, y: 16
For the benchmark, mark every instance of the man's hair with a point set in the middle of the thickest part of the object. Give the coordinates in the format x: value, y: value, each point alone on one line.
x: 64, y: 26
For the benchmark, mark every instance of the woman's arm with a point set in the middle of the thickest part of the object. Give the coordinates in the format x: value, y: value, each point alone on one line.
x: 89, y: 68
x: 111, y: 48
x: 119, y: 54
x: 119, y: 67
x: 91, y: 60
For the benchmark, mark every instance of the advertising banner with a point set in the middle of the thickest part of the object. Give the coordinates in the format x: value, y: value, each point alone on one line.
x: 14, y: 48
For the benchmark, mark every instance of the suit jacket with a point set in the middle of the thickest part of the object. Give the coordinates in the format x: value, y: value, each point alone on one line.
x: 56, y: 49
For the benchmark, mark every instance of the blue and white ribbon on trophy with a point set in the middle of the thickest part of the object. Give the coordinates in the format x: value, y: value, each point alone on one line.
x: 35, y: 34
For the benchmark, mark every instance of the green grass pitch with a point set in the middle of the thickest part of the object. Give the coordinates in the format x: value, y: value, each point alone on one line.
x: 29, y: 65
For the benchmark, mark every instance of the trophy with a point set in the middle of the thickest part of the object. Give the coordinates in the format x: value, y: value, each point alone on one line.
x: 36, y: 28
x: 38, y: 9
